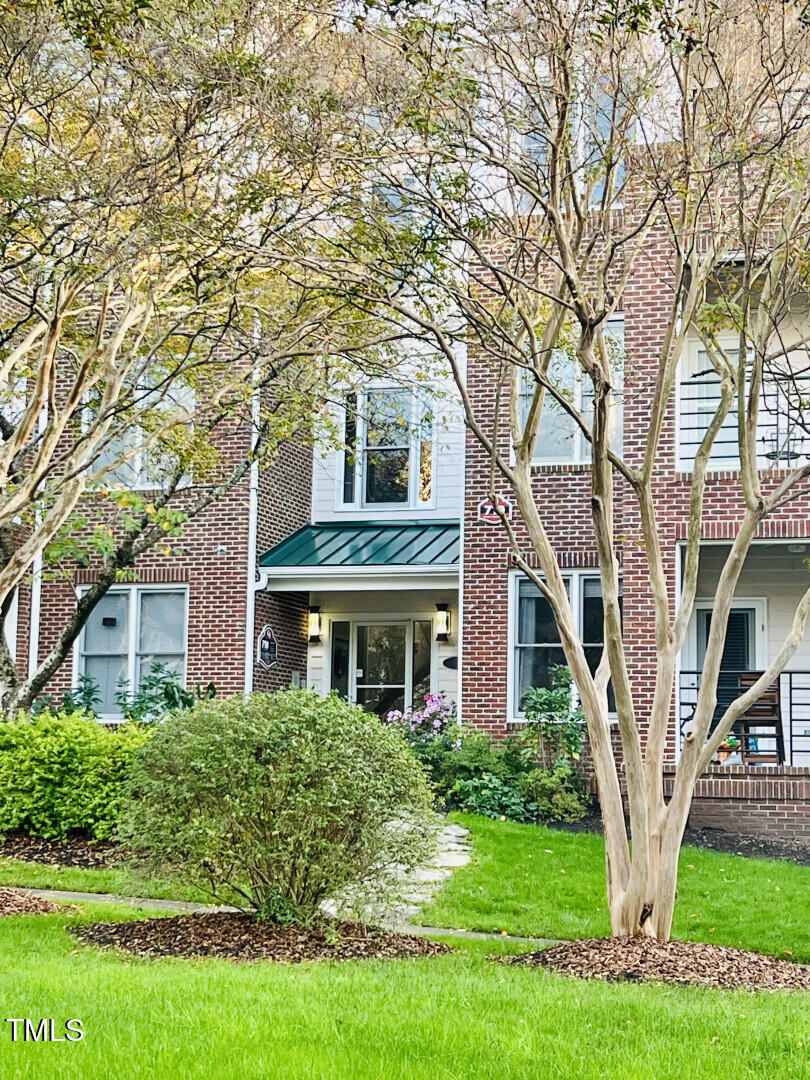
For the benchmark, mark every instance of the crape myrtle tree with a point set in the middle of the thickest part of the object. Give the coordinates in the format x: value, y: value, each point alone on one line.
x: 518, y: 162
x: 154, y: 162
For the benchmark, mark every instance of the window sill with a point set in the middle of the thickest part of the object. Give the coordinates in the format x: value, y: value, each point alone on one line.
x: 542, y: 468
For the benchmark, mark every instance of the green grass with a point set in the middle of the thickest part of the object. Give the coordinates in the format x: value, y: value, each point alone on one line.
x: 529, y: 880
x: 448, y: 1018
x: 122, y: 881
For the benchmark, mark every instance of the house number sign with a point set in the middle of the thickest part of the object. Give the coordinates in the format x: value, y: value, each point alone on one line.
x: 267, y: 648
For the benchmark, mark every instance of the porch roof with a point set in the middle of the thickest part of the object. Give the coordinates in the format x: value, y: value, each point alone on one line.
x: 362, y: 544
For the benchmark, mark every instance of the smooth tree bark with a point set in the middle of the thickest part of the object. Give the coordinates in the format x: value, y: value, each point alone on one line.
x: 524, y: 162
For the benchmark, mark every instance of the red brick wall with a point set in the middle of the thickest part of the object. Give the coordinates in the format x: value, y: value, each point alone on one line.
x: 768, y: 801
x: 285, y: 501
x: 213, y: 563
x: 563, y: 494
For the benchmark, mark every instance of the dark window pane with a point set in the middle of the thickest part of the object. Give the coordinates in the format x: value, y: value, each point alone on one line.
x: 387, y: 476
x: 593, y: 615
x: 421, y: 662
x: 534, y: 667
x: 350, y: 438
x: 381, y: 655
x: 340, y: 658
x: 536, y: 624
x: 381, y: 699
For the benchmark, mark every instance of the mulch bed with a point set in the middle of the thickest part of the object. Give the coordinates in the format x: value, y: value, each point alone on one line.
x: 236, y: 936
x: 753, y: 847
x: 20, y: 903
x: 73, y: 852
x: 685, y: 963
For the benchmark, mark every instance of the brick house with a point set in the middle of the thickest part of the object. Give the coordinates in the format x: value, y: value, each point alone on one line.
x: 509, y: 637
x: 378, y: 570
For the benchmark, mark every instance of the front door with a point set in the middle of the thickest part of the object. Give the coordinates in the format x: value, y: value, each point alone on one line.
x: 382, y: 665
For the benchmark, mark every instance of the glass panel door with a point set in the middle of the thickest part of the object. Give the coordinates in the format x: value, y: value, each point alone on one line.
x: 380, y: 669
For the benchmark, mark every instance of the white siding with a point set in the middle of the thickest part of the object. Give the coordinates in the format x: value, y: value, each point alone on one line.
x: 771, y: 572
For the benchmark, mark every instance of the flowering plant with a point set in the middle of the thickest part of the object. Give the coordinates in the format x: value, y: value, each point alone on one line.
x: 433, y: 720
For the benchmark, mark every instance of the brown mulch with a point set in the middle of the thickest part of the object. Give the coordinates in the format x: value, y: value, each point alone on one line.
x: 20, y: 903
x: 73, y: 852
x: 685, y: 963
x: 237, y: 936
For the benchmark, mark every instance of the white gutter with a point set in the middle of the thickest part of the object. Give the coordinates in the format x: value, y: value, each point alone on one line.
x: 344, y: 578
x: 253, y: 529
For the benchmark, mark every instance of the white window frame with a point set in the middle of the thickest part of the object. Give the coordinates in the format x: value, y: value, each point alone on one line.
x: 760, y: 607
x: 419, y: 402
x: 581, y: 451
x: 134, y: 623
x: 574, y: 579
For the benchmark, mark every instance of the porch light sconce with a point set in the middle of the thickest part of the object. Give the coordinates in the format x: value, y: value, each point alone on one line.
x: 314, y: 625
x: 442, y: 622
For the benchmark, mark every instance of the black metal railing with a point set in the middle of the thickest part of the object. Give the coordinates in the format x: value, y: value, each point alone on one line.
x: 794, y: 701
x: 783, y: 431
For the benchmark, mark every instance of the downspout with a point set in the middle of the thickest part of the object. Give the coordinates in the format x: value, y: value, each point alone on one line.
x: 34, y: 621
x: 36, y: 582
x: 253, y: 530
x: 462, y: 561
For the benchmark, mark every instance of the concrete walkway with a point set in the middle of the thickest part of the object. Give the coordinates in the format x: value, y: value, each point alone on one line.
x: 453, y: 852
x: 65, y: 896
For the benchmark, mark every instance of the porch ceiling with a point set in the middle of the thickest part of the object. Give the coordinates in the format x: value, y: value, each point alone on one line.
x: 359, y: 545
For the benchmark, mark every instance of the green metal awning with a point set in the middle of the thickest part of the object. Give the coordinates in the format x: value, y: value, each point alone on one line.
x: 362, y: 544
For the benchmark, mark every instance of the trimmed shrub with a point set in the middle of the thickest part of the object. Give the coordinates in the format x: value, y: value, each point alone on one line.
x: 63, y: 773
x: 282, y: 801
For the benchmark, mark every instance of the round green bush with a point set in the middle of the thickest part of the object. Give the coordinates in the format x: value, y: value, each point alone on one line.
x: 63, y: 773
x: 282, y: 801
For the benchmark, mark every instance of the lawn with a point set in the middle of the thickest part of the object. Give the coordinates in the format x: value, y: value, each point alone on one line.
x: 529, y: 880
x: 451, y: 1018
x: 121, y: 881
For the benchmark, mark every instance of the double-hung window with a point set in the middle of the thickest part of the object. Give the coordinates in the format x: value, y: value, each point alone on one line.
x: 560, y: 440
x: 130, y: 631
x: 388, y: 453
x: 131, y: 457
x: 536, y: 640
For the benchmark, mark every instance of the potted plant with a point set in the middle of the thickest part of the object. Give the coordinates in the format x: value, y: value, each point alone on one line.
x: 730, y: 745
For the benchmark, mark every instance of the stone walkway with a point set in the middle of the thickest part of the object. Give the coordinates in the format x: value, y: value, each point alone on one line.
x: 420, y: 886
